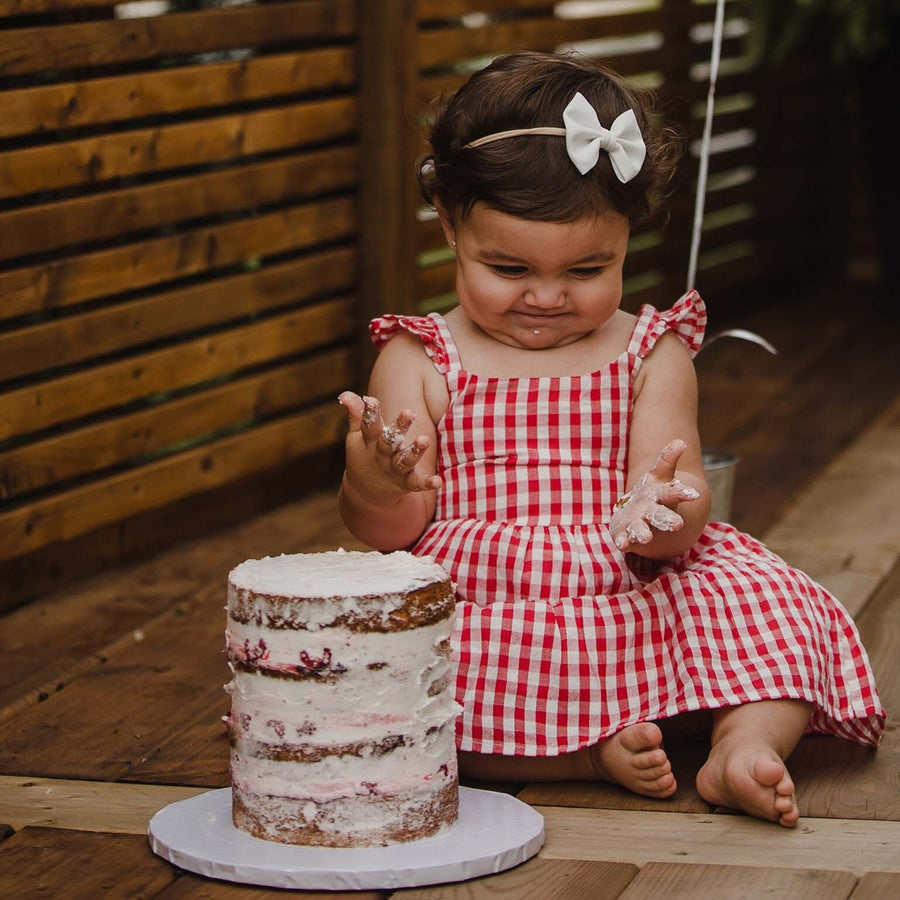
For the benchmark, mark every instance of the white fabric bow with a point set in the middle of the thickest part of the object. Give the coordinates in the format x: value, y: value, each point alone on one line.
x: 586, y: 137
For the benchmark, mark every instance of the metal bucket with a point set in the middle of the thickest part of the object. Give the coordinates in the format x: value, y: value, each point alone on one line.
x: 719, y: 468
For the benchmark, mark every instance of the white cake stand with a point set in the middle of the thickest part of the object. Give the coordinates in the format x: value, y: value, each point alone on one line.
x: 495, y: 832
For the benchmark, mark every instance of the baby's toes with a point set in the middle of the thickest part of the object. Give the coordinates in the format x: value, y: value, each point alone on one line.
x: 652, y: 759
x: 785, y: 804
x: 643, y: 737
x: 662, y: 785
x: 789, y: 819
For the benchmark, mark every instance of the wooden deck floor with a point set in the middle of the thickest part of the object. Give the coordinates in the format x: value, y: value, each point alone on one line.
x: 110, y: 692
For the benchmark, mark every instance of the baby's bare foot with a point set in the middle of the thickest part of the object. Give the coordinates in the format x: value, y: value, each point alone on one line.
x: 634, y: 758
x: 751, y: 777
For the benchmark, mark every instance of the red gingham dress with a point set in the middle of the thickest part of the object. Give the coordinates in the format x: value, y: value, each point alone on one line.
x: 560, y: 643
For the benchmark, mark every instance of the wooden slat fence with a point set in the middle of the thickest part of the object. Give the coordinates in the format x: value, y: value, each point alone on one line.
x: 201, y: 202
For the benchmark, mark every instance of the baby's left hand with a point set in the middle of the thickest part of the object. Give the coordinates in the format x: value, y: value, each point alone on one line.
x: 650, y: 503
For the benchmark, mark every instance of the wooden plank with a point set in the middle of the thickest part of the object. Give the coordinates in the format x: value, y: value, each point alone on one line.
x: 109, y: 214
x: 172, y: 736
x: 119, y: 865
x: 627, y: 64
x: 827, y: 409
x: 222, y: 301
x: 31, y: 7
x: 102, y: 43
x: 684, y: 881
x: 65, y: 281
x: 82, y: 509
x: 49, y: 642
x: 388, y: 64
x: 85, y: 805
x: 90, y: 161
x: 118, y: 98
x: 538, y: 879
x: 444, y: 46
x: 146, y: 433
x: 35, y: 407
x: 856, y: 497
x: 644, y: 837
x: 195, y: 887
x: 57, y: 566
x: 442, y: 9
x: 877, y: 886
x: 56, y: 863
x: 840, y: 778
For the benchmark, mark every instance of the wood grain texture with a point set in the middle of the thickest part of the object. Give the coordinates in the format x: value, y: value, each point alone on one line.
x: 50, y: 862
x: 877, y: 886
x: 102, y: 43
x: 538, y: 879
x: 787, y: 417
x: 195, y: 887
x: 125, y: 96
x: 110, y: 214
x: 70, y: 280
x: 683, y: 881
x: 443, y: 46
x: 856, y: 496
x: 169, y: 426
x: 84, y: 508
x: 168, y: 678
x: 92, y: 161
x: 49, y: 641
x: 85, y: 805
x: 838, y: 778
x: 191, y: 362
x: 136, y: 323
x: 643, y: 837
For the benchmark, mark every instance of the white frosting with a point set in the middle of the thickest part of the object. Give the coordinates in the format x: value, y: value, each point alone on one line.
x: 406, y: 769
x: 358, y: 704
x: 338, y: 573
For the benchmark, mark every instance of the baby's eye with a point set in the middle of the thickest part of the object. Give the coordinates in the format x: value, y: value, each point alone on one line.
x: 509, y: 271
x: 586, y: 271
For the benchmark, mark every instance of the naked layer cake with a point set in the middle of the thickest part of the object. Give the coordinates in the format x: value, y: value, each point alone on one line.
x: 342, y: 721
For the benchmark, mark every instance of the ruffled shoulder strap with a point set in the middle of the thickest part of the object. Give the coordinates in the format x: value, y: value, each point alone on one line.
x: 431, y: 330
x: 687, y: 319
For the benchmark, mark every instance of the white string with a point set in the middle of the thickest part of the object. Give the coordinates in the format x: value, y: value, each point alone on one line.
x: 703, y: 169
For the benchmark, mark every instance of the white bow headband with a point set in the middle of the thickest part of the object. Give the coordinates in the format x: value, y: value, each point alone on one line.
x: 586, y: 137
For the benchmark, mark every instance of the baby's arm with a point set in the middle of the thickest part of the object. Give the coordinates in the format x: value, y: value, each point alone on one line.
x: 669, y: 495
x: 387, y: 494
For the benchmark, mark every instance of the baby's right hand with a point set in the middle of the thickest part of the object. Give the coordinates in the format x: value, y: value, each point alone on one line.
x: 381, y: 466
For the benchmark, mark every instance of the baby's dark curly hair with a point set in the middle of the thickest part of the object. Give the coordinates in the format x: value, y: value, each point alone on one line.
x: 531, y: 176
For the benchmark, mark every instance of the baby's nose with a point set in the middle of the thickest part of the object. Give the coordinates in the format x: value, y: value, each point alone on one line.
x: 545, y: 296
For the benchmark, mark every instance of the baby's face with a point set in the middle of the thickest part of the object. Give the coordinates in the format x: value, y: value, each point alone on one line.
x: 537, y: 285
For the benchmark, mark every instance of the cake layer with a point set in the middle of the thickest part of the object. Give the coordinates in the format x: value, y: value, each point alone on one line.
x: 374, y: 685
x: 332, y: 653
x: 420, y: 761
x: 365, y: 821
x: 356, y: 591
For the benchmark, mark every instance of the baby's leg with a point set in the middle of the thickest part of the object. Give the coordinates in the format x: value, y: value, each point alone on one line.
x: 746, y: 769
x: 633, y: 757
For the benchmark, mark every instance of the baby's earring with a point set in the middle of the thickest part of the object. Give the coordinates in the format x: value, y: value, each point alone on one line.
x: 453, y: 244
